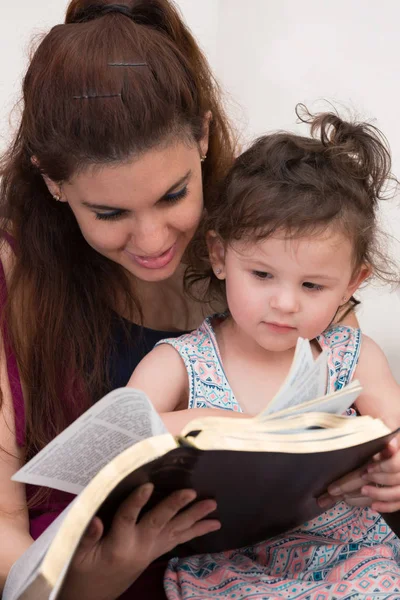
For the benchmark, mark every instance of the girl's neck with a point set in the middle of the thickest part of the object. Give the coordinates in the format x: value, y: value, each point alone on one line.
x: 254, y: 374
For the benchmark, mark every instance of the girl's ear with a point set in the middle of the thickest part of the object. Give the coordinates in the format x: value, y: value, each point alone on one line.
x: 216, y: 251
x: 358, y: 278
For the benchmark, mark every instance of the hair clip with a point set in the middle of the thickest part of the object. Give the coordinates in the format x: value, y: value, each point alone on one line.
x: 141, y: 64
x: 91, y: 96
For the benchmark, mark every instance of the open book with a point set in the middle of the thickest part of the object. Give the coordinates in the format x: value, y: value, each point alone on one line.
x: 265, y: 472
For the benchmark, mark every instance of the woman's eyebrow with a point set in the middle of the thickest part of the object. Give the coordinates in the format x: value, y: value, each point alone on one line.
x: 180, y: 182
x: 173, y: 187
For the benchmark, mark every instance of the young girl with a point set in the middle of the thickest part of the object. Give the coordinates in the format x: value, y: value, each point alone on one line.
x: 291, y: 242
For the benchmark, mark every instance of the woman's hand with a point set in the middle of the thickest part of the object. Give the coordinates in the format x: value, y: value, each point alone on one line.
x: 104, y: 567
x: 377, y: 484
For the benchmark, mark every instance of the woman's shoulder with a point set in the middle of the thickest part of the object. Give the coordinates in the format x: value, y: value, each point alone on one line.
x: 7, y: 253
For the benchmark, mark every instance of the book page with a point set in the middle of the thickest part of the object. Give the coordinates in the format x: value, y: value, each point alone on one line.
x: 307, y: 380
x: 122, y: 418
x: 24, y: 571
x: 336, y: 403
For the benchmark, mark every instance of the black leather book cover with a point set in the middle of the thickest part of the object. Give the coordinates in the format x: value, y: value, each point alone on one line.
x: 259, y: 494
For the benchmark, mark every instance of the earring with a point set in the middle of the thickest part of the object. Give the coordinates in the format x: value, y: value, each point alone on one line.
x: 57, y: 197
x: 344, y: 299
x: 203, y: 157
x: 218, y: 271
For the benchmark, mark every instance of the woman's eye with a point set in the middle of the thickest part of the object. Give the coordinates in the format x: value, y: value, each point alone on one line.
x: 176, y: 196
x: 110, y: 216
x: 262, y: 275
x: 313, y: 286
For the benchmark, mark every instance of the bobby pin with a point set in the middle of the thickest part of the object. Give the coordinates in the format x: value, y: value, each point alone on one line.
x: 127, y: 64
x: 89, y: 97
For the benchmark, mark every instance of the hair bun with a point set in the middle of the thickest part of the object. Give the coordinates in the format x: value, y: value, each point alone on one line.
x: 81, y: 12
x: 359, y: 149
x: 158, y: 14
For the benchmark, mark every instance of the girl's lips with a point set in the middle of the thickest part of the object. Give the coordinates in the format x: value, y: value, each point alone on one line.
x: 154, y: 262
x: 279, y: 328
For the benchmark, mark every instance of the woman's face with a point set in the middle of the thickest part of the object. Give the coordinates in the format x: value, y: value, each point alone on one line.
x: 141, y: 214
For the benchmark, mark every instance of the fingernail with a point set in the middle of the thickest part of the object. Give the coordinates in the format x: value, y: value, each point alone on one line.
x: 334, y: 490
x: 323, y: 502
x: 372, y: 469
x: 91, y: 530
x: 146, y: 489
x: 188, y: 496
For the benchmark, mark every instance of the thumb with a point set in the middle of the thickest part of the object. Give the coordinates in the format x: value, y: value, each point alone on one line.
x: 92, y: 535
x: 391, y: 448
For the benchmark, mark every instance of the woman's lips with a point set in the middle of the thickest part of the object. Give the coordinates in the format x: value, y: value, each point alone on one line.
x: 154, y: 262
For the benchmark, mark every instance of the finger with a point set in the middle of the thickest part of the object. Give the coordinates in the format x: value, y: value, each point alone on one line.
x: 187, y: 518
x: 127, y: 515
x: 91, y: 537
x: 157, y: 518
x: 390, y: 465
x: 326, y: 501
x: 349, y: 483
x: 388, y: 479
x: 390, y: 449
x: 382, y: 494
x: 197, y: 530
x: 358, y: 500
x: 385, y: 507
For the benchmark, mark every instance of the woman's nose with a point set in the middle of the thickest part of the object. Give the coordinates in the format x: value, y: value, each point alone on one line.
x: 149, y: 235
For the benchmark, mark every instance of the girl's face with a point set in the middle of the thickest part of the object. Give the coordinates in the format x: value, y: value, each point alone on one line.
x: 140, y: 214
x: 281, y: 289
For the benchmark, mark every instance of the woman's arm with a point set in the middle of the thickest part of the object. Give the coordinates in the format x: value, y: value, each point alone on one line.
x: 376, y: 484
x: 14, y: 521
x: 163, y: 377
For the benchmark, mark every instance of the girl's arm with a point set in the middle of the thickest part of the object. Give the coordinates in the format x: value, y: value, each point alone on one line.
x: 163, y: 377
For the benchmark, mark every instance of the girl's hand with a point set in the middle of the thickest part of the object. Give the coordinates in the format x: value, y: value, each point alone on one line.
x: 104, y: 567
x: 377, y: 484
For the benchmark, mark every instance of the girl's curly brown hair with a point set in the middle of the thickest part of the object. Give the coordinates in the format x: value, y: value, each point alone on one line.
x: 303, y: 185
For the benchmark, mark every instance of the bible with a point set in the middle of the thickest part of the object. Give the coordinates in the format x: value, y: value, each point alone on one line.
x: 265, y: 472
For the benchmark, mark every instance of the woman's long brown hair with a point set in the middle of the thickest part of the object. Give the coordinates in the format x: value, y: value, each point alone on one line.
x: 61, y: 292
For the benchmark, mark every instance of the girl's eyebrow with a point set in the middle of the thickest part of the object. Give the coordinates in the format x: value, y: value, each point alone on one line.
x: 259, y: 263
x: 173, y: 187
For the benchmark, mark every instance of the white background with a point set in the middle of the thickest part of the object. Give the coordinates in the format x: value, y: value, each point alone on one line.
x: 269, y: 55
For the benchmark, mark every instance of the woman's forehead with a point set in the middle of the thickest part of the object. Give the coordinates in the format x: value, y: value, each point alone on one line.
x: 155, y: 172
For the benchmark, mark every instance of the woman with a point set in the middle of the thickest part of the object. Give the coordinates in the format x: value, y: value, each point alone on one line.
x: 102, y: 191
x: 122, y: 134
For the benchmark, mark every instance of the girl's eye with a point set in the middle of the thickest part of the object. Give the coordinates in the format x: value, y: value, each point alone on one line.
x: 262, y: 275
x: 176, y: 196
x: 110, y: 216
x: 314, y: 287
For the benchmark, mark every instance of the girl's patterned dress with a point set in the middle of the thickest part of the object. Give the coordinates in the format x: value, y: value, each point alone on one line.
x: 345, y: 553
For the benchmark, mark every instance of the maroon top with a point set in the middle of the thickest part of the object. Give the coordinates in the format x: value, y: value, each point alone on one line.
x: 150, y: 584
